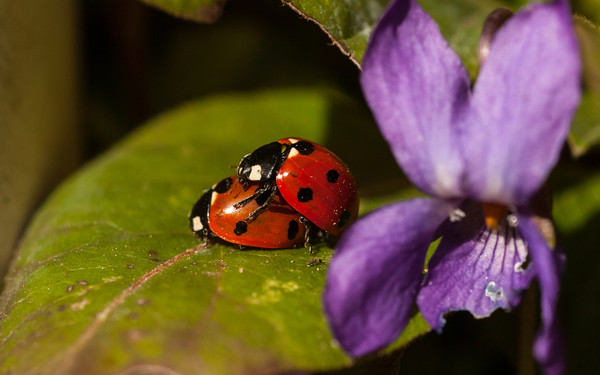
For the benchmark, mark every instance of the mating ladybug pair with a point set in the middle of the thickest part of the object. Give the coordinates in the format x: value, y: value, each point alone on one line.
x: 284, y: 194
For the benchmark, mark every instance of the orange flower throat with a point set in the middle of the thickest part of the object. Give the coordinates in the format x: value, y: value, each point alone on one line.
x: 493, y: 214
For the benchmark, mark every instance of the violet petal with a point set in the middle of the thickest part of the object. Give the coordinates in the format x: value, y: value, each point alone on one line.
x: 474, y: 269
x: 376, y: 271
x: 418, y: 90
x: 548, y: 346
x: 523, y: 103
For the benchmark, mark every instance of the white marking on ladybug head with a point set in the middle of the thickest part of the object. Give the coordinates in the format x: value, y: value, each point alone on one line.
x: 197, y: 223
x: 255, y: 173
x: 293, y: 152
x: 213, y: 197
x: 293, y: 140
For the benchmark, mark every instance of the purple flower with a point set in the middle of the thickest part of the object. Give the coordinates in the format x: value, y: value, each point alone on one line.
x: 482, y: 154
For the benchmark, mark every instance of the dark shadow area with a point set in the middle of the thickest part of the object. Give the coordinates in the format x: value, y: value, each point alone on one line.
x: 579, y: 301
x: 466, y: 346
x: 140, y: 61
x: 356, y: 139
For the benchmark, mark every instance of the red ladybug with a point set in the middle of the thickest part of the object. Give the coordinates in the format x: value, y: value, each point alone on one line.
x: 309, y: 177
x: 216, y: 214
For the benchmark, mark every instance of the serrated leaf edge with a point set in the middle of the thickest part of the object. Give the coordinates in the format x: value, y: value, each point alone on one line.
x: 342, y: 47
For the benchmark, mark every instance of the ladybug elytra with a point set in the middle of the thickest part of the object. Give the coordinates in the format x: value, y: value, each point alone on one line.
x: 216, y: 214
x: 309, y: 177
x: 284, y: 194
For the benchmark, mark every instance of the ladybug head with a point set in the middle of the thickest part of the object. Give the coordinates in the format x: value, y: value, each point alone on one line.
x: 198, y: 217
x: 263, y: 163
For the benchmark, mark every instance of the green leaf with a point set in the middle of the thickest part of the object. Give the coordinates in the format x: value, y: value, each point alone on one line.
x: 349, y: 23
x: 585, y: 131
x: 109, y: 278
x: 196, y: 10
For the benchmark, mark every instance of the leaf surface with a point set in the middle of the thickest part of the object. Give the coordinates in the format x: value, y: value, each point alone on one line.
x: 109, y: 278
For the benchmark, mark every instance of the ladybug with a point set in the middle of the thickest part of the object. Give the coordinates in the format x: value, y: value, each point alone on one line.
x: 216, y: 214
x: 309, y: 177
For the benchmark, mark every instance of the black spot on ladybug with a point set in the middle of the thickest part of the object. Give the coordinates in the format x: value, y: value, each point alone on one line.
x: 304, y: 147
x: 261, y: 199
x: 344, y: 219
x: 223, y: 185
x: 293, y: 228
x: 332, y: 176
x: 305, y: 194
x: 240, y: 228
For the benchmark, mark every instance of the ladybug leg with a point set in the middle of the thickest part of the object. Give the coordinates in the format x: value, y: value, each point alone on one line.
x: 266, y: 187
x: 308, y: 226
x: 307, y: 229
x: 263, y: 205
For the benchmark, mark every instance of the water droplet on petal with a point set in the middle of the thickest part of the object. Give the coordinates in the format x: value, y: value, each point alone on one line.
x: 494, y: 294
x: 512, y: 221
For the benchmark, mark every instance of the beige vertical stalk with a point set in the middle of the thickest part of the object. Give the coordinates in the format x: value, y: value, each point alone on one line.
x: 39, y: 130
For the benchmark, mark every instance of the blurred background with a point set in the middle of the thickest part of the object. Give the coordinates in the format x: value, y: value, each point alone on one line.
x: 78, y: 76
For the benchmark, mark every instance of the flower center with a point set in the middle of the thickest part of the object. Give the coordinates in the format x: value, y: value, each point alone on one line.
x: 493, y: 214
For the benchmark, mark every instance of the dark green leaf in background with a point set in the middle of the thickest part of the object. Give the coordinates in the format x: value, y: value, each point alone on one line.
x: 577, y: 216
x: 348, y: 23
x: 110, y: 279
x: 195, y: 10
x: 585, y: 131
x: 589, y: 8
